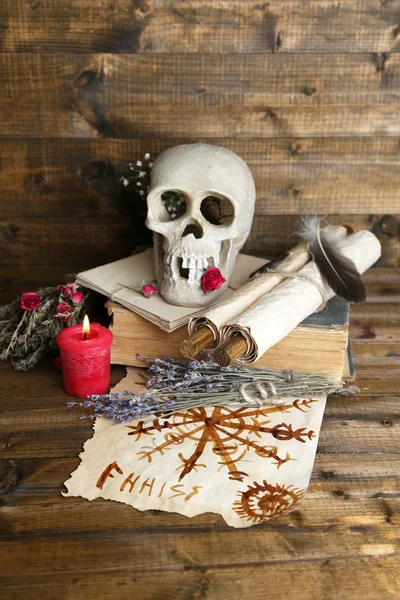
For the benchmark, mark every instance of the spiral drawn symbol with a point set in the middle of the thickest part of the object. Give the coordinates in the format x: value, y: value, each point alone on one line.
x: 264, y: 501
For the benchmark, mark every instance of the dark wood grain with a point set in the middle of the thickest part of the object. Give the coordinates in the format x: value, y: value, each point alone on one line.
x: 331, y: 472
x: 369, y: 578
x: 321, y: 175
x: 55, y: 242
x: 36, y: 252
x: 41, y: 241
x: 308, y: 93
x: 214, y: 95
x: 199, y: 26
x: 78, y: 553
x: 42, y: 251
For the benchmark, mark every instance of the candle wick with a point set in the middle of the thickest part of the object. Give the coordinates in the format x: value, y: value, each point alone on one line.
x: 84, y: 336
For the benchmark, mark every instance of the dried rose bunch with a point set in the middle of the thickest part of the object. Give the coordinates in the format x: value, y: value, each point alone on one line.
x: 30, y: 324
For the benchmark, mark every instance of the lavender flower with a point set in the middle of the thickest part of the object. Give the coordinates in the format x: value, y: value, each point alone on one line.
x: 177, y: 385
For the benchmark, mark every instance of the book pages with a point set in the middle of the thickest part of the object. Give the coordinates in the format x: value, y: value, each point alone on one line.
x: 271, y: 318
x: 122, y: 280
x: 128, y: 272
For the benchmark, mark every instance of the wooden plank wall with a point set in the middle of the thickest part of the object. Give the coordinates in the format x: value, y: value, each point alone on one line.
x: 307, y: 91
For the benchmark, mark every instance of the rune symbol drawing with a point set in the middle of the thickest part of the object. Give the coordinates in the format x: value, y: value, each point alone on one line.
x: 231, y: 433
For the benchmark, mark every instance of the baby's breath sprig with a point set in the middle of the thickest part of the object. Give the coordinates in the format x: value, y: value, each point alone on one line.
x: 139, y: 175
x: 178, y: 385
x: 139, y: 178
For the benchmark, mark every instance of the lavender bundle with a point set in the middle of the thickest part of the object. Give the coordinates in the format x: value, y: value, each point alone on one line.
x: 178, y: 385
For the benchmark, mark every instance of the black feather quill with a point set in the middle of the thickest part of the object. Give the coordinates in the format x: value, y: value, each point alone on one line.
x: 339, y: 272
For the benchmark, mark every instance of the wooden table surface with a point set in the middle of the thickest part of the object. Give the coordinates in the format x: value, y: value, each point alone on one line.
x: 342, y: 542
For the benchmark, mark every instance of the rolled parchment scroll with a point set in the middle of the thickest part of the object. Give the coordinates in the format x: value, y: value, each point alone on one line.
x: 207, y: 327
x: 275, y: 315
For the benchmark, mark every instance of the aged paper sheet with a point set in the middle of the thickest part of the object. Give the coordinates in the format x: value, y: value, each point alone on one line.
x: 246, y: 464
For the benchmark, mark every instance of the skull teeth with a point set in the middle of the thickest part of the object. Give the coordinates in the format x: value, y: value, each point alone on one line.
x: 187, y: 268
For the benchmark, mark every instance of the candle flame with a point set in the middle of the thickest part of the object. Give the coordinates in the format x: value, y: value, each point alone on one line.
x: 86, y: 325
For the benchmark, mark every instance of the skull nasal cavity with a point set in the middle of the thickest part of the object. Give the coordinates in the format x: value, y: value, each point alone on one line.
x: 195, y: 229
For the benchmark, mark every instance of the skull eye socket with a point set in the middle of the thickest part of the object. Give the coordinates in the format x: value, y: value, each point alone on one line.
x: 217, y: 210
x: 172, y: 206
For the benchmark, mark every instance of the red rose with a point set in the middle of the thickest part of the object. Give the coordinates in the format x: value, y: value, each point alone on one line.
x: 66, y: 290
x: 212, y: 280
x: 148, y: 290
x: 30, y: 300
x: 64, y: 312
x: 77, y: 297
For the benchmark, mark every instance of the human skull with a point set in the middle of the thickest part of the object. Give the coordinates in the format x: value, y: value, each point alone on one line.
x: 192, y: 239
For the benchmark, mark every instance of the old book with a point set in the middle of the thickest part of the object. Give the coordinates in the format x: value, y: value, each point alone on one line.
x: 121, y: 279
x: 320, y: 343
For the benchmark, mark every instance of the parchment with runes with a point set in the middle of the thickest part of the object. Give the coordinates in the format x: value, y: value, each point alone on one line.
x: 246, y: 464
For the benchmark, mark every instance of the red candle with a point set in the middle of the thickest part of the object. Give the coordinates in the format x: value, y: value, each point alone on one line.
x: 85, y: 358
